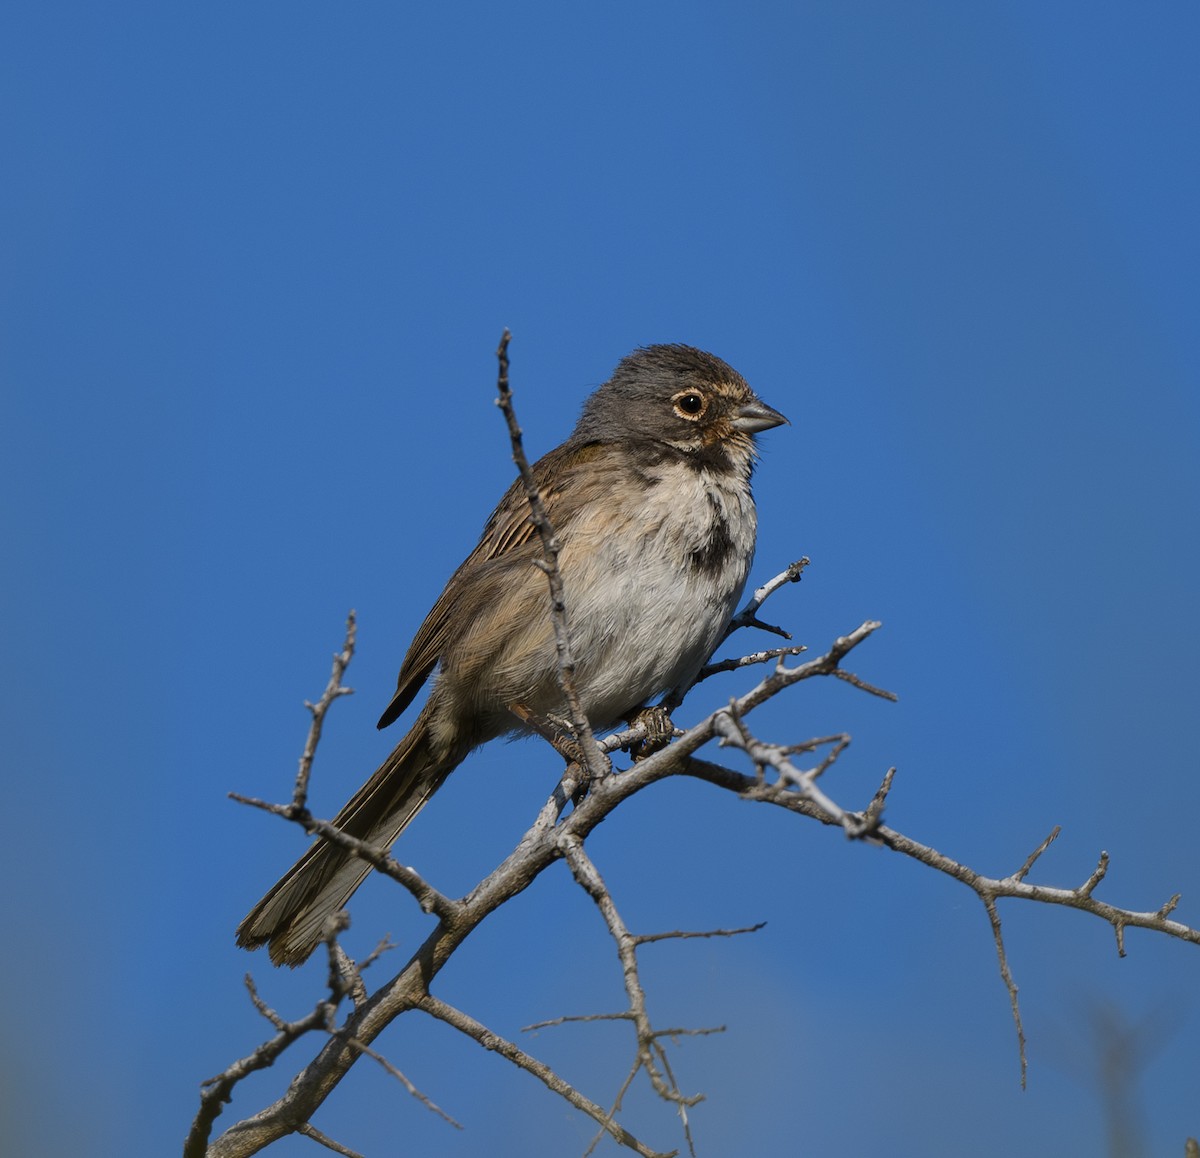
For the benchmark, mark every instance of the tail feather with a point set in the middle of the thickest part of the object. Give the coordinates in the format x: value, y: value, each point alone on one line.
x: 291, y: 917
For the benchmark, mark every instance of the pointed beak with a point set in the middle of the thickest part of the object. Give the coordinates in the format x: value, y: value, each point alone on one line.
x: 757, y: 416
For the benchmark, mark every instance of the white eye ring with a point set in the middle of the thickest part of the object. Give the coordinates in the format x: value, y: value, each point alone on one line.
x: 690, y: 404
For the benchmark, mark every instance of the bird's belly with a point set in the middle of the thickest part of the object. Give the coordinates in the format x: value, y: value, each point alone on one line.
x: 648, y: 599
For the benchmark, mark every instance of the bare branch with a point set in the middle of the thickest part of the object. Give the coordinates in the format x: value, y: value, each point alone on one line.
x: 333, y: 690
x: 988, y: 889
x: 1032, y: 859
x: 1086, y: 889
x: 619, y: 1099
x: 217, y: 1091
x: 568, y: 1018
x: 733, y: 732
x: 588, y: 876
x: 851, y: 678
x: 426, y: 1101
x: 650, y: 938
x: 386, y: 945
x: 1006, y: 976
x: 263, y: 1008
x: 507, y: 1049
x: 712, y: 669
x: 874, y: 812
x: 594, y: 761
x: 665, y: 1061
x: 430, y: 900
x: 310, y: 1131
x: 1012, y: 886
x: 828, y: 664
x: 1169, y: 906
x: 351, y: 975
x: 748, y: 616
x: 628, y: 1015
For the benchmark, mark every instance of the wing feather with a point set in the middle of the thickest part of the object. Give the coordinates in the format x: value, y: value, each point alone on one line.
x: 509, y: 533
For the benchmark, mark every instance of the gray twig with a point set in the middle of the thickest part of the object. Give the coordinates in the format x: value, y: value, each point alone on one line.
x: 594, y: 761
x: 430, y: 900
x: 589, y: 878
x: 464, y: 1023
x: 333, y: 690
x: 310, y: 1131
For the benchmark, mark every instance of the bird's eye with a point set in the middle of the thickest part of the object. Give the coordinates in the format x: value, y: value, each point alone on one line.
x: 689, y: 404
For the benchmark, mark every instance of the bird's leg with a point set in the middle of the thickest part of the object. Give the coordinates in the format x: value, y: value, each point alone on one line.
x: 659, y: 731
x: 555, y: 734
x: 550, y: 731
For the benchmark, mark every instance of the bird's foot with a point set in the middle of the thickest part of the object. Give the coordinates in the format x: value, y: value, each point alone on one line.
x: 659, y: 731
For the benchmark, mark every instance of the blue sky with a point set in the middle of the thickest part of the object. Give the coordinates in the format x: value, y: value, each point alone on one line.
x: 255, y: 260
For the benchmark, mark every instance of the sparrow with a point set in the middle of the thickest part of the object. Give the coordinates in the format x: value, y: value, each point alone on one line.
x: 651, y: 502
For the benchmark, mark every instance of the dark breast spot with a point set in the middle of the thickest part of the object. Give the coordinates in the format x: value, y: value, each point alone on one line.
x: 716, y: 547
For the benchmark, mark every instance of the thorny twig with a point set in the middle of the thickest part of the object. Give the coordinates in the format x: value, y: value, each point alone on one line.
x: 507, y: 1049
x: 594, y: 761
x: 310, y: 1131
x: 430, y: 900
x: 589, y: 878
x: 649, y: 1054
x: 786, y: 793
x: 712, y: 669
x: 343, y: 978
x: 333, y: 690
x: 775, y: 756
x: 217, y: 1091
x: 748, y: 616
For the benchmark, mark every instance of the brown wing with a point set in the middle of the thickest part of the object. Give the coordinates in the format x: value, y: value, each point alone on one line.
x: 509, y: 532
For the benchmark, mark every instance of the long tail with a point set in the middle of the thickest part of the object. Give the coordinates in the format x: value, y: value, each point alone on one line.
x: 291, y: 917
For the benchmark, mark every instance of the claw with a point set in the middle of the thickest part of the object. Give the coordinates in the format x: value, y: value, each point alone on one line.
x: 659, y: 731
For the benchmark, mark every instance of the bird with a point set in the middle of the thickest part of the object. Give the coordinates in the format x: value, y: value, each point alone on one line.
x: 650, y: 499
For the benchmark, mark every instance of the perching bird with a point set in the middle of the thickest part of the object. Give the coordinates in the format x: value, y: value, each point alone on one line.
x: 650, y: 499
